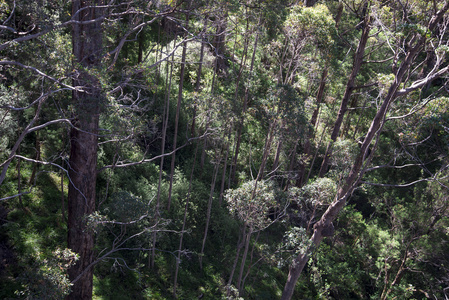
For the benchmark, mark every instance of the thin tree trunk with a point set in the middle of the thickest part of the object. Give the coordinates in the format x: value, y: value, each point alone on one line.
x: 223, y: 176
x: 38, y: 157
x: 313, y: 121
x: 277, y: 155
x: 247, y: 238
x: 251, y: 260
x: 87, y: 47
x: 64, y: 217
x: 358, y: 60
x: 198, y: 79
x: 203, y: 152
x: 19, y: 181
x: 164, y: 136
x: 178, y: 108
x: 242, y: 263
x: 209, y: 209
x: 245, y: 105
x: 240, y: 244
x: 178, y: 259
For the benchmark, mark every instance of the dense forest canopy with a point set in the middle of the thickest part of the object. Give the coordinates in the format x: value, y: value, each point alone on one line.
x: 224, y: 149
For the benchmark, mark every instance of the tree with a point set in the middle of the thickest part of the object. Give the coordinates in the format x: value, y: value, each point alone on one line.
x: 88, y: 102
x: 251, y: 203
x: 87, y: 51
x: 323, y: 227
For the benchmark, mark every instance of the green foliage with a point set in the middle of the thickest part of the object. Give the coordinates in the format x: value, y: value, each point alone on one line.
x: 47, y: 278
x: 251, y: 203
x: 383, y: 229
x: 296, y: 241
x: 314, y: 23
x: 319, y: 192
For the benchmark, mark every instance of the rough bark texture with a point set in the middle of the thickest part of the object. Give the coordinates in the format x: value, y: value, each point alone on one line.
x: 219, y: 41
x: 87, y: 45
x: 321, y: 228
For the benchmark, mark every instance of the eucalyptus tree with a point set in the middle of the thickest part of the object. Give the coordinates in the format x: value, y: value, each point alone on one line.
x: 87, y: 50
x: 428, y: 33
x: 87, y: 76
x: 251, y: 203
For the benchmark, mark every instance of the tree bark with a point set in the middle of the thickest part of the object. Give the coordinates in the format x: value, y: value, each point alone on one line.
x: 87, y: 46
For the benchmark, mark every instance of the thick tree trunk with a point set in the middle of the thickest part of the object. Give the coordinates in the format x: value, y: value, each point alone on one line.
x: 324, y: 226
x: 309, y: 3
x: 87, y: 46
x: 219, y: 41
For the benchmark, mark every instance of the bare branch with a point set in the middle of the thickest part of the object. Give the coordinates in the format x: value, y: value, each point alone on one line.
x: 378, y: 61
x: 422, y: 82
x: 5, y: 165
x: 122, y: 165
x: 414, y: 109
x: 58, y: 81
x: 397, y: 185
x: 35, y: 101
x: 3, y: 27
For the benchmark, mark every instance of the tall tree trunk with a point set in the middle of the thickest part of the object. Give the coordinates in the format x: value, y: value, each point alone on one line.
x: 225, y: 166
x: 260, y: 175
x: 307, y: 147
x: 324, y: 226
x: 245, y: 104
x: 240, y: 244
x: 251, y: 265
x: 87, y: 47
x: 209, y: 210
x: 178, y: 259
x: 178, y: 108
x: 247, y: 239
x: 219, y: 41
x: 358, y: 60
x: 161, y: 166
x: 198, y: 78
x: 19, y: 181
x: 38, y: 157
